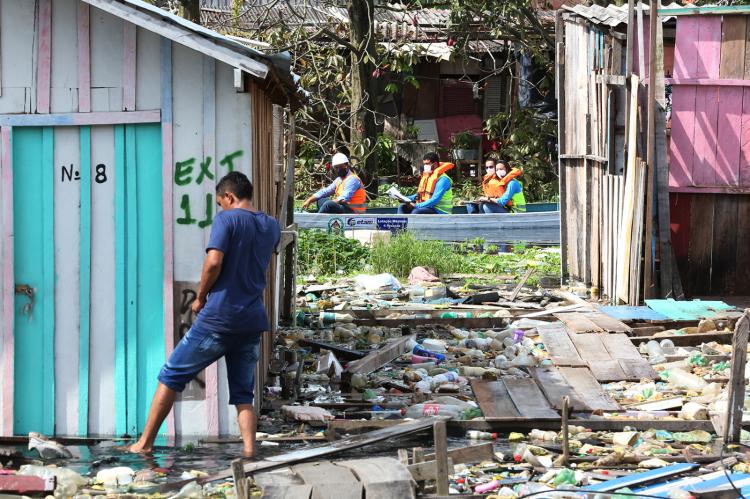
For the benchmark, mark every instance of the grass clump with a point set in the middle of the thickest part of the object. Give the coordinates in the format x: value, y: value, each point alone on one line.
x: 404, y: 252
x: 321, y: 253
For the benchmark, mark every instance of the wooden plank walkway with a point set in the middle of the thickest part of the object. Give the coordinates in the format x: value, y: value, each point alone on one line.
x: 539, y: 398
x: 609, y: 356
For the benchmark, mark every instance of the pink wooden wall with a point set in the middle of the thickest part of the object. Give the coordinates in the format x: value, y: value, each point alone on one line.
x: 710, y: 141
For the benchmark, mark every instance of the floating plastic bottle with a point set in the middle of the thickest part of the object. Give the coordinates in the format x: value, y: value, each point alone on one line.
x: 480, y: 435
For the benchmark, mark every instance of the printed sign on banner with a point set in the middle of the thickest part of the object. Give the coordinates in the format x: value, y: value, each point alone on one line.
x: 393, y: 224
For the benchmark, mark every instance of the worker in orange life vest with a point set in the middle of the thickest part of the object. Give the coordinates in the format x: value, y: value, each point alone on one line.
x: 345, y: 194
x: 435, y: 192
x: 502, y: 191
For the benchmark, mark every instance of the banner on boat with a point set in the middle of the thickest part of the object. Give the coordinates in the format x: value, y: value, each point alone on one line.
x: 393, y: 224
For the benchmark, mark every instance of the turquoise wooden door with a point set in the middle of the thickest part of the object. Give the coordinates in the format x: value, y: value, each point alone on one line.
x: 137, y: 289
x: 34, y: 269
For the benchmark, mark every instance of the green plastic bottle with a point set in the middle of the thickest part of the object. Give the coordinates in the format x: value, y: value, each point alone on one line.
x: 565, y: 476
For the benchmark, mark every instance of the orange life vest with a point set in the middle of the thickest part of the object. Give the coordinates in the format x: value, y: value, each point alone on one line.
x: 358, y: 200
x: 428, y: 181
x: 494, y: 187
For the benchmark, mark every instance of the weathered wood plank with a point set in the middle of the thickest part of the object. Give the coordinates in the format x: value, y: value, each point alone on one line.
x: 590, y: 347
x: 706, y: 135
x: 681, y: 152
x: 578, y: 323
x: 329, y: 481
x: 607, y: 323
x: 588, y: 389
x: 380, y: 357
x: 560, y: 348
x: 728, y: 134
x: 494, y: 400
x: 733, y: 425
x: 724, y: 252
x: 555, y: 387
x: 528, y: 398
x: 607, y: 370
x: 382, y: 477
x: 637, y: 369
x: 732, y: 57
x: 701, y: 241
x: 619, y: 346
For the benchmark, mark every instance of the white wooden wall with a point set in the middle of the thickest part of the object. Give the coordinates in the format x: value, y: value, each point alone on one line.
x: 210, y: 120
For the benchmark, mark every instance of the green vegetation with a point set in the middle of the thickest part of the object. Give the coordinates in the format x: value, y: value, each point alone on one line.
x: 322, y: 254
x: 404, y: 252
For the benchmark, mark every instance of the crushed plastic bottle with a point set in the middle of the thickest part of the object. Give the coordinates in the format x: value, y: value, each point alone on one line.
x: 678, y: 378
x: 428, y: 410
x: 565, y: 476
x: 655, y: 353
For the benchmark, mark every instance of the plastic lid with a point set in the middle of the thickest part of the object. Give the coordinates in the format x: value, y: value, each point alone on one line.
x: 494, y: 436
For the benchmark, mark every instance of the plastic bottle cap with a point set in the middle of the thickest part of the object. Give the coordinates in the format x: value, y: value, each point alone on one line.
x: 517, y: 458
x: 494, y: 436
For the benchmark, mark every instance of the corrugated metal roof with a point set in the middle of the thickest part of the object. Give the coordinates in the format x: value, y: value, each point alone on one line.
x: 201, y: 39
x: 611, y: 15
x: 187, y: 33
x: 394, y: 23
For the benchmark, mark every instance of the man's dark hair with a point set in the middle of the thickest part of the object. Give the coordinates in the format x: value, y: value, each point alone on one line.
x: 237, y: 183
x: 503, y: 162
x: 432, y: 156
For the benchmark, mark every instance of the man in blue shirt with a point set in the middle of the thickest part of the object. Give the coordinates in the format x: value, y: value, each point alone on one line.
x: 230, y: 315
x: 346, y: 194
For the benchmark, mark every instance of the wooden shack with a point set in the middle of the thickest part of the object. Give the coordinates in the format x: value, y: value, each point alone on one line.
x: 709, y: 171
x: 116, y: 121
x: 697, y: 189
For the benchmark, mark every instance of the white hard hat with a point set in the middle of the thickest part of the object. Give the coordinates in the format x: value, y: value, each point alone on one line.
x: 339, y: 159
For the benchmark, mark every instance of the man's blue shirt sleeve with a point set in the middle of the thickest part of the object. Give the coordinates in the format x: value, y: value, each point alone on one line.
x: 327, y: 192
x: 220, y: 234
x: 441, y: 187
x: 514, y: 187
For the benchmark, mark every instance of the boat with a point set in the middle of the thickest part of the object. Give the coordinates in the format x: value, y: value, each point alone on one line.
x: 536, y: 226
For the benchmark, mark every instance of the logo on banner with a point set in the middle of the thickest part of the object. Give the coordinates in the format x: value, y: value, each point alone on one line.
x: 393, y: 224
x: 360, y: 223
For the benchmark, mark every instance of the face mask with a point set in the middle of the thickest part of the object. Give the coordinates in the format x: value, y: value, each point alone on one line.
x: 428, y: 168
x: 342, y: 172
x: 491, y: 171
x: 501, y: 173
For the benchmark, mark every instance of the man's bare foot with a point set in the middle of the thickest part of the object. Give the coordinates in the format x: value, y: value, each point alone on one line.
x: 138, y: 448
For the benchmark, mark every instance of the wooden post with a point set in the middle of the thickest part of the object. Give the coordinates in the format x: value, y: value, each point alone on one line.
x: 565, y: 436
x: 629, y: 67
x: 733, y: 426
x: 403, y: 456
x: 649, y: 283
x: 417, y: 455
x: 441, y: 457
x: 240, y: 482
x: 562, y: 164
